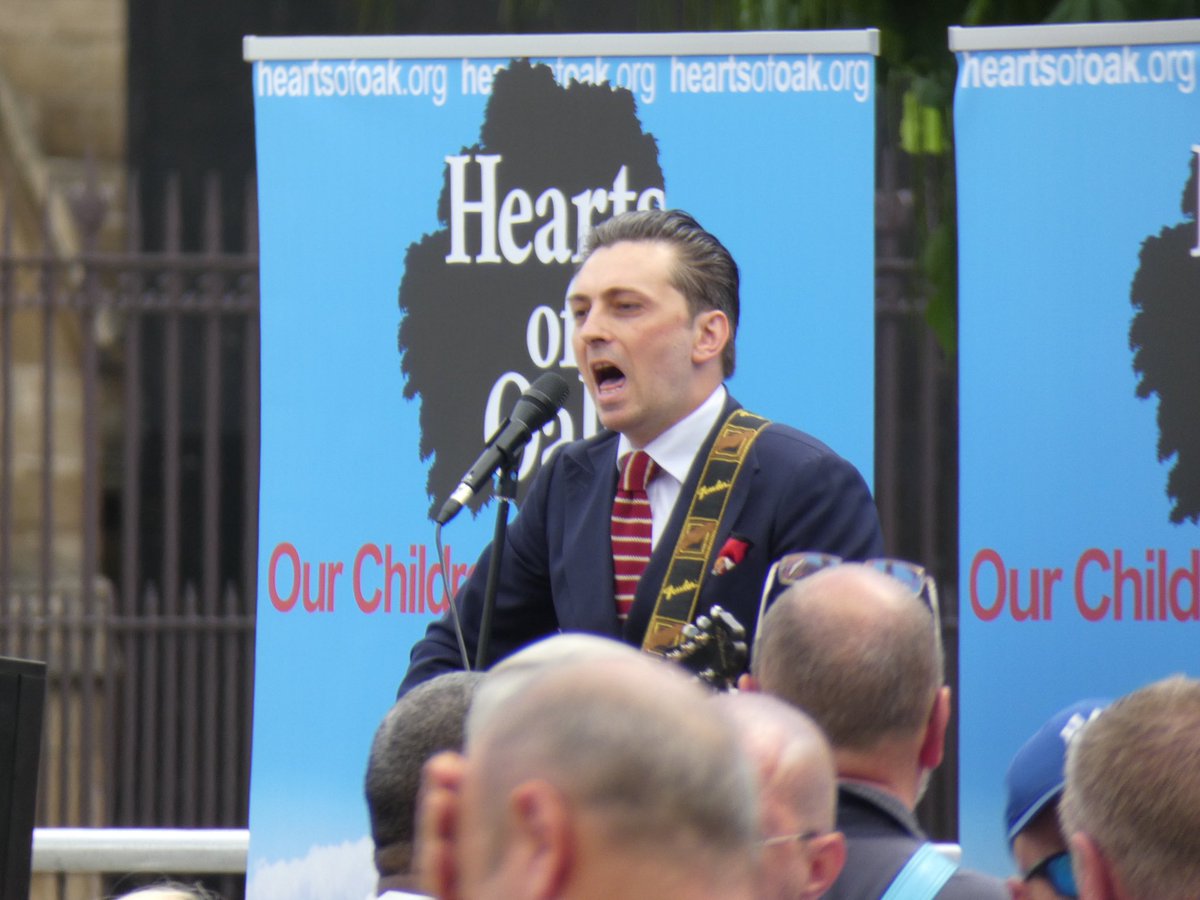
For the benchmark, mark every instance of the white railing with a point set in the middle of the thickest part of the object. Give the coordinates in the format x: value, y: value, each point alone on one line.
x: 195, y: 851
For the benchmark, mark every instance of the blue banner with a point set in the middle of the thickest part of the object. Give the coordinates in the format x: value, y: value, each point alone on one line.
x: 1079, y: 382
x: 421, y: 205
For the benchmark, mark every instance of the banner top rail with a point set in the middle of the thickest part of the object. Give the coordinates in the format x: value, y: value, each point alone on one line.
x: 1090, y: 34
x: 255, y: 48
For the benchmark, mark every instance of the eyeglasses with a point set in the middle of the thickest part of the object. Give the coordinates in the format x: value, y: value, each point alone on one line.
x: 1056, y: 869
x: 789, y: 838
x: 796, y: 566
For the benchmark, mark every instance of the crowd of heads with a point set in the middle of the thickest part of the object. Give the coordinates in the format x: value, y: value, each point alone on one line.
x: 1103, y: 801
x: 581, y: 767
x: 592, y: 769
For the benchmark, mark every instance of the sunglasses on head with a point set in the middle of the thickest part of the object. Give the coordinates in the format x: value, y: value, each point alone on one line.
x: 796, y: 566
x: 1056, y: 869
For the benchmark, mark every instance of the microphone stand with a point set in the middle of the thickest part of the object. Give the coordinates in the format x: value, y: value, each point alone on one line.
x: 506, y: 492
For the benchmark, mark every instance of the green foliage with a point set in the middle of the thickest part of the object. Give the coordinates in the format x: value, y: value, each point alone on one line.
x: 1088, y: 11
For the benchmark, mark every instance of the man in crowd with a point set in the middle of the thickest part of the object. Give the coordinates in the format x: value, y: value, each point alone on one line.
x: 797, y: 791
x: 857, y: 649
x: 681, y: 474
x: 1131, y: 805
x: 429, y: 719
x: 1033, y: 786
x: 597, y: 779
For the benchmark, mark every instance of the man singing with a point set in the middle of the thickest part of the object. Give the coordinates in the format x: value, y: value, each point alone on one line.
x: 686, y: 499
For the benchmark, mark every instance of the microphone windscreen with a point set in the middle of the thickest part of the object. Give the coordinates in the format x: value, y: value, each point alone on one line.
x: 541, y: 400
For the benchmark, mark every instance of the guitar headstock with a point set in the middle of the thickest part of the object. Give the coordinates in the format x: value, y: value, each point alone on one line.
x: 713, y: 649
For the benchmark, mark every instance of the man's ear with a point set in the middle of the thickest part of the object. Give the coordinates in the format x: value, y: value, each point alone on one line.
x: 435, y: 856
x: 749, y: 684
x: 1092, y: 875
x: 542, y: 837
x: 712, y: 333
x: 933, y: 746
x: 827, y: 857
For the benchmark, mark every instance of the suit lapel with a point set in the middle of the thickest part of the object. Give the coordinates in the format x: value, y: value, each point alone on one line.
x: 591, y: 479
x: 739, y: 494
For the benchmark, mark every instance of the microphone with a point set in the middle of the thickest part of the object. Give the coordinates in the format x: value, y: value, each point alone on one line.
x: 540, y: 402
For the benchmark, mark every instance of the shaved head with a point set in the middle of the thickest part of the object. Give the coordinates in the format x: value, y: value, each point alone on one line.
x: 797, y: 783
x: 790, y: 752
x: 625, y: 746
x: 855, y: 649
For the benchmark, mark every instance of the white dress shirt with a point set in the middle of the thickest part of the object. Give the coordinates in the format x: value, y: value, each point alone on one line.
x: 674, y: 451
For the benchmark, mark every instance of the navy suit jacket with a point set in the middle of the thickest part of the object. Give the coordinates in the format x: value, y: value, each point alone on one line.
x: 792, y: 494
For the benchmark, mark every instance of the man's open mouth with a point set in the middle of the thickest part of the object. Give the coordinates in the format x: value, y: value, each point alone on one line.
x: 608, y: 377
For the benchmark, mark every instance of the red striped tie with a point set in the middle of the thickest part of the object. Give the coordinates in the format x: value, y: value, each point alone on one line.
x: 631, y: 528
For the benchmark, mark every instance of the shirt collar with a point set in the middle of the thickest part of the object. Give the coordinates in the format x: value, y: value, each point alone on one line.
x: 884, y: 802
x: 675, y: 449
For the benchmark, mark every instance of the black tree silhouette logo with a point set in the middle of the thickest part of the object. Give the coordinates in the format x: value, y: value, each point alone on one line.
x: 1165, y: 339
x: 465, y: 323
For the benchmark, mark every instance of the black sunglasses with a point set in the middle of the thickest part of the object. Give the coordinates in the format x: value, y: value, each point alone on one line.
x: 1056, y: 869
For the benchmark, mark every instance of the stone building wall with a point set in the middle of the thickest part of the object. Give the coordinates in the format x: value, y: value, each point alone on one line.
x: 66, y: 61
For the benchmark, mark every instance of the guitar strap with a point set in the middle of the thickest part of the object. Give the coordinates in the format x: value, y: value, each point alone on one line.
x: 680, y: 591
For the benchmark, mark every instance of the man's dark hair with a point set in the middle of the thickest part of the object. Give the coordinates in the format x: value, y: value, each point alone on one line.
x: 705, y: 272
x: 425, y: 721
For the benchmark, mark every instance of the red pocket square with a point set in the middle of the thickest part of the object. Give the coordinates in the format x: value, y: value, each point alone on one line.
x: 733, y: 551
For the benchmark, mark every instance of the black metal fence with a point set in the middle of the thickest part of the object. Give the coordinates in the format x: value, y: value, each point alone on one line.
x: 129, y: 390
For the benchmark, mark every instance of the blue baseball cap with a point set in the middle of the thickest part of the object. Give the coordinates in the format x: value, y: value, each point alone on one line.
x: 1035, y: 775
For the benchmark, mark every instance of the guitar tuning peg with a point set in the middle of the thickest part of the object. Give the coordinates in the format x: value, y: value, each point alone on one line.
x: 690, y: 631
x: 704, y: 622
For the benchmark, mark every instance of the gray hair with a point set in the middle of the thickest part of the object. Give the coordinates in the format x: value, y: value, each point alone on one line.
x: 428, y: 719
x: 1133, y: 786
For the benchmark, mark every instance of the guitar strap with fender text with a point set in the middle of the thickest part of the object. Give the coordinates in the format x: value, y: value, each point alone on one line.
x: 680, y: 591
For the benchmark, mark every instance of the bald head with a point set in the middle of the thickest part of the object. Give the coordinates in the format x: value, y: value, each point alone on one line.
x: 531, y: 662
x: 797, y: 785
x: 624, y: 746
x: 1131, y: 805
x: 854, y: 648
x: 790, y: 753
